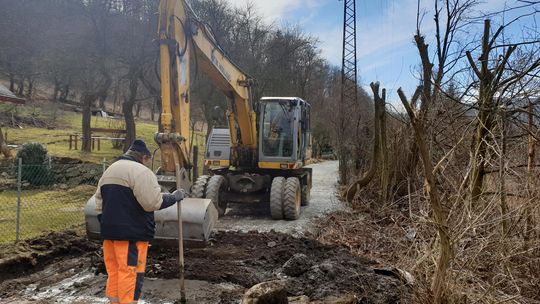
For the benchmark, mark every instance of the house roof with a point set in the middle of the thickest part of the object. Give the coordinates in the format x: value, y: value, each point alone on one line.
x: 7, y: 96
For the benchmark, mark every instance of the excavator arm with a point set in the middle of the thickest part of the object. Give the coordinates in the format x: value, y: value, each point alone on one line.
x: 183, y: 37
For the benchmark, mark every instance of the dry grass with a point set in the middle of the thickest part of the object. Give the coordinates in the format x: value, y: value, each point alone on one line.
x: 488, y: 266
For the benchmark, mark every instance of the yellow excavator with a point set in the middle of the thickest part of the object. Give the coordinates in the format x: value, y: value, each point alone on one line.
x: 259, y: 158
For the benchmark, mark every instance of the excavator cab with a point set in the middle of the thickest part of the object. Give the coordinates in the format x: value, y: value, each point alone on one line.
x: 284, y: 135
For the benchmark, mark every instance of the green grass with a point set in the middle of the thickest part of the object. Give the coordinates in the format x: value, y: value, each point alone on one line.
x: 42, y: 211
x: 57, y: 140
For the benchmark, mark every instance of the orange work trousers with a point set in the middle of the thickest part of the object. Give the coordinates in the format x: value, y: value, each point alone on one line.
x: 125, y: 262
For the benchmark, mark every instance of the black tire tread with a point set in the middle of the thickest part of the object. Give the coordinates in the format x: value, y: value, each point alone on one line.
x: 276, y: 198
x: 213, y: 187
x: 291, y: 208
x: 199, y: 187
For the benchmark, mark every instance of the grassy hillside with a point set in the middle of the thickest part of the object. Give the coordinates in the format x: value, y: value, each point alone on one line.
x: 56, y: 126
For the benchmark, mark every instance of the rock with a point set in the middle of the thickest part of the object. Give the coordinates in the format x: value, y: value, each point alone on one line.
x: 297, y: 265
x: 5, y: 175
x: 270, y: 292
x: 26, y: 184
x: 400, y: 274
x: 271, y: 244
x: 63, y: 186
x: 411, y: 234
x: 299, y: 300
x: 328, y: 268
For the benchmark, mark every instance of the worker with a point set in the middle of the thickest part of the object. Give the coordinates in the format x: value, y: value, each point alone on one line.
x: 128, y: 193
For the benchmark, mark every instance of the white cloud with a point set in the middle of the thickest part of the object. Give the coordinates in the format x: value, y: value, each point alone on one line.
x: 391, y: 29
x: 330, y: 44
x: 277, y: 9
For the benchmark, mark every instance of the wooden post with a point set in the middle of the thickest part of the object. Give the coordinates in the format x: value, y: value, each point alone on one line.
x: 3, y: 145
x: 70, y: 137
x: 93, y: 142
x: 99, y: 144
x: 76, y: 140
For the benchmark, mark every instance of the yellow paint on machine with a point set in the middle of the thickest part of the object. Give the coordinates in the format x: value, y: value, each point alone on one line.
x: 280, y: 165
x: 217, y: 163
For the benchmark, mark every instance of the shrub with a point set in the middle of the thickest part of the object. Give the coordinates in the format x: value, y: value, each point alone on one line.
x: 34, y: 169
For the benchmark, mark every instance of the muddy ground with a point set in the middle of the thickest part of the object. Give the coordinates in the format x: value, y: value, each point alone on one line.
x: 248, y: 248
x: 65, y: 268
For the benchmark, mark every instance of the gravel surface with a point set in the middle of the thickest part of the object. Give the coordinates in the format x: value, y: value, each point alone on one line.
x: 244, y: 217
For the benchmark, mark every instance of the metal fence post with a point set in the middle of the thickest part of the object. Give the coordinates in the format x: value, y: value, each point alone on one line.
x: 104, y: 164
x: 195, y: 163
x: 19, y: 184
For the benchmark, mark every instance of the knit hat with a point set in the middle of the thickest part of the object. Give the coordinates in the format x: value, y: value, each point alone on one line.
x: 139, y: 146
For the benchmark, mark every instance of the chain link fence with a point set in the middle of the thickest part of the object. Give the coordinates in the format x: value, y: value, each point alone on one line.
x: 36, y: 199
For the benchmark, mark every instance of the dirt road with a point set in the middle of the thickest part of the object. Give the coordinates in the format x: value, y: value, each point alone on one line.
x: 244, y: 252
x: 257, y: 217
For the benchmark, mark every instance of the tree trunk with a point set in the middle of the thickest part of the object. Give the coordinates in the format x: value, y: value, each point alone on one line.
x: 3, y: 145
x: 531, y: 163
x: 64, y: 93
x: 439, y: 284
x: 56, y: 89
x: 88, y: 99
x: 385, y: 173
x: 138, y: 107
x: 107, y: 84
x: 377, y: 145
x: 153, y: 111
x: 20, y: 89
x: 12, y: 82
x: 127, y: 110
x: 30, y: 89
x: 502, y: 176
x: 485, y: 121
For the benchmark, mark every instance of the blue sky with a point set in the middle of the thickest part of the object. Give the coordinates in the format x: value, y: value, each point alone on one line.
x: 385, y: 30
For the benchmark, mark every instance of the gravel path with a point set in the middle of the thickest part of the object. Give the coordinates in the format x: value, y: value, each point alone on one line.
x: 243, y: 217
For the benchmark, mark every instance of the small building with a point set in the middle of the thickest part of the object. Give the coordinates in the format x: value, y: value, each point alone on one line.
x: 7, y: 96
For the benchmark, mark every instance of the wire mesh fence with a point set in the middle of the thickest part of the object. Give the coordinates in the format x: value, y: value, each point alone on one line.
x: 36, y: 199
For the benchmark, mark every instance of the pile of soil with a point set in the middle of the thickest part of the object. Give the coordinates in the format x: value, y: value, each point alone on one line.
x: 26, y: 257
x: 309, y: 267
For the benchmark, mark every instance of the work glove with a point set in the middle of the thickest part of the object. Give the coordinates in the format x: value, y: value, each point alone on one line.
x: 179, y: 194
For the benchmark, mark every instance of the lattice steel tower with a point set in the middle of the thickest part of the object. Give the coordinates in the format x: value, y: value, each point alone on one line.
x: 349, y: 89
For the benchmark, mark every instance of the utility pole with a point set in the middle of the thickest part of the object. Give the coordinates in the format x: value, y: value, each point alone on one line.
x: 349, y: 88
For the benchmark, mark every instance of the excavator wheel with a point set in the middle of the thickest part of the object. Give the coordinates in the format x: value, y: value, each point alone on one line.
x: 276, y: 198
x: 306, y: 195
x: 292, y: 197
x: 199, y: 187
x: 214, y: 187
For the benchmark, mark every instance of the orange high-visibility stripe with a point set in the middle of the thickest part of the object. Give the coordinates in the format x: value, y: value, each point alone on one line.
x: 125, y: 264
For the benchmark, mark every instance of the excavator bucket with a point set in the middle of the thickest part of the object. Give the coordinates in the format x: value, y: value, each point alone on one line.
x: 198, y: 219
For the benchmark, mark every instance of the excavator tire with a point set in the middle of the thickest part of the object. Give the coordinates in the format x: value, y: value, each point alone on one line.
x: 214, y: 187
x: 306, y: 195
x: 292, y: 197
x: 199, y: 187
x: 276, y: 198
